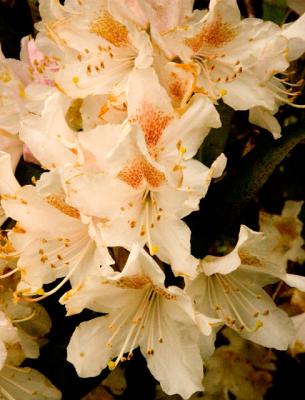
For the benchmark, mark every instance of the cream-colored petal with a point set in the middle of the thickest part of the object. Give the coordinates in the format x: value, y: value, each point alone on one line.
x: 295, y: 33
x: 8, y: 182
x: 263, y: 118
x: 26, y: 384
x: 176, y: 362
x: 39, y: 216
x: 171, y: 238
x: 11, y: 144
x: 224, y: 265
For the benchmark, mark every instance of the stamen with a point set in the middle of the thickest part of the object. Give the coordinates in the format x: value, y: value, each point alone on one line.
x: 160, y: 339
x: 224, y: 285
x: 152, y: 248
x: 57, y: 287
x: 17, y: 321
x: 140, y: 317
x: 289, y: 101
x: 12, y: 272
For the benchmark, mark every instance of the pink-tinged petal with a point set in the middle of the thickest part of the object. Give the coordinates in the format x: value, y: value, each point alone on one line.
x: 43, y: 68
x: 28, y: 155
x: 166, y: 15
x: 161, y: 15
x: 129, y: 9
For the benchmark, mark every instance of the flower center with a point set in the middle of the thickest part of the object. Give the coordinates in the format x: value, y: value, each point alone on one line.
x: 145, y: 319
x: 153, y: 122
x: 138, y: 171
x: 57, y: 202
x: 111, y: 30
x: 236, y: 303
x: 213, y: 34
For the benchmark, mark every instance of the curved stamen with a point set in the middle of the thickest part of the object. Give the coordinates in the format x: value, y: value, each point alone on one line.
x: 57, y: 287
x: 10, y: 273
x: 140, y: 317
x: 224, y: 290
x: 17, y: 321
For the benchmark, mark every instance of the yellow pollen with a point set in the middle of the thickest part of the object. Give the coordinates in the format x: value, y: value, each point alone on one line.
x: 108, y: 28
x: 58, y: 202
x: 223, y: 92
x: 75, y: 80
x: 258, y: 325
x: 112, y: 365
x: 215, y: 34
x: 5, y: 77
x: 154, y: 250
x: 182, y: 150
x: 21, y: 91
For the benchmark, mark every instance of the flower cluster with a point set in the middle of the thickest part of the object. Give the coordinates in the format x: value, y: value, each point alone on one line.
x: 113, y: 100
x: 23, y: 327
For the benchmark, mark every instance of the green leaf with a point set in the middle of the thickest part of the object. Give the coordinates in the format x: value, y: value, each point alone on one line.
x: 275, y: 10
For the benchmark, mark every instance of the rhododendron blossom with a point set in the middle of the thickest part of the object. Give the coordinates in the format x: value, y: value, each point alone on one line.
x: 128, y: 163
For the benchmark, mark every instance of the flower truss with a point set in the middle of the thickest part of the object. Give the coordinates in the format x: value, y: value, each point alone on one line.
x: 112, y: 100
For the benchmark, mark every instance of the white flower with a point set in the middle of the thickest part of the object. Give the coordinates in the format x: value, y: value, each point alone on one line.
x: 231, y: 288
x: 145, y: 181
x: 21, y: 325
x: 279, y: 90
x: 284, y: 235
x: 162, y: 16
x: 52, y: 240
x: 103, y: 51
x: 141, y: 312
x: 41, y: 67
x: 237, y: 60
x: 13, y: 80
x: 48, y: 136
x: 8, y: 182
x: 223, y: 49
